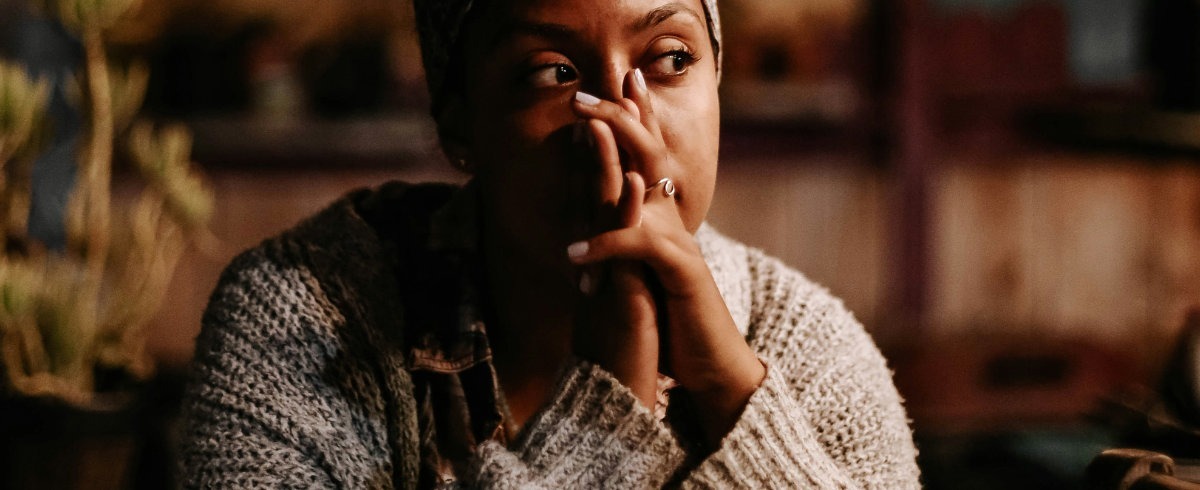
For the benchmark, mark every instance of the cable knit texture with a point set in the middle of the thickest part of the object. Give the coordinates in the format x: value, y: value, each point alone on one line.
x: 299, y: 380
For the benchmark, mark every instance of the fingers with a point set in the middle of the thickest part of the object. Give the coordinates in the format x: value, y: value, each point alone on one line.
x: 625, y: 243
x: 632, y: 199
x: 636, y: 92
x: 668, y: 256
x: 643, y: 146
x: 655, y: 248
x: 611, y: 179
x: 626, y: 128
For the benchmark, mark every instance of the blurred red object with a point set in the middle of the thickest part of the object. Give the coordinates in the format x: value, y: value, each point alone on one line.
x: 997, y: 384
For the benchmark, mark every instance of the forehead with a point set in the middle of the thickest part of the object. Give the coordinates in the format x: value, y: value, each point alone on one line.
x: 578, y: 8
x: 586, y: 14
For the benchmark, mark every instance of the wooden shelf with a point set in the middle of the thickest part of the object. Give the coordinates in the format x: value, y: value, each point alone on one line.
x: 1128, y: 128
x: 263, y: 143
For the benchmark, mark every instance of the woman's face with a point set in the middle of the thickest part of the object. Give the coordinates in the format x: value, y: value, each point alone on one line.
x: 524, y: 62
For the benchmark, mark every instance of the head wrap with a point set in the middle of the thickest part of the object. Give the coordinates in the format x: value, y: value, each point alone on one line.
x: 440, y: 22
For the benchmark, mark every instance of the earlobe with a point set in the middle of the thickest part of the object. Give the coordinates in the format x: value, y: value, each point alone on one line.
x: 452, y: 131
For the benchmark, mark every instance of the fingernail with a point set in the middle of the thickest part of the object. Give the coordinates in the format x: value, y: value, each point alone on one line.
x: 639, y: 78
x: 585, y: 283
x: 577, y: 250
x: 586, y: 99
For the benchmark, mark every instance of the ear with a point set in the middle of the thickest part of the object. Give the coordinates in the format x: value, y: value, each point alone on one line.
x: 452, y: 129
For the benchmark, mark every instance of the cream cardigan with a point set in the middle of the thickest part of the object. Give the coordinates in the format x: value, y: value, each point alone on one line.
x: 299, y: 380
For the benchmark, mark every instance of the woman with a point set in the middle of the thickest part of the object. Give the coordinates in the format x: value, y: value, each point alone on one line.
x: 511, y: 333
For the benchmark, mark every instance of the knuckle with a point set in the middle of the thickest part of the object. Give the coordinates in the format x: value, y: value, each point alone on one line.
x: 659, y: 152
x: 612, y: 110
x: 629, y: 118
x: 657, y: 246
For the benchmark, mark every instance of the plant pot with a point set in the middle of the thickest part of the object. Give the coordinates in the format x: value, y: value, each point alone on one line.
x: 50, y: 444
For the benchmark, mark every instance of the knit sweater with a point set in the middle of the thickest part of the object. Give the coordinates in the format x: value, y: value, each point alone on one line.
x: 300, y: 380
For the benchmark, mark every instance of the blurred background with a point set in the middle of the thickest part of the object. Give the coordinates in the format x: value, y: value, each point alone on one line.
x: 1006, y: 192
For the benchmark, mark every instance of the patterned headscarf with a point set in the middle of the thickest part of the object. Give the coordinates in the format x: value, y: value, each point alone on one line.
x: 439, y: 24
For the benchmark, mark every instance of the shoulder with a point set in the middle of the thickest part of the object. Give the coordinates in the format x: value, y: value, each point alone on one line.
x: 837, y: 374
x: 296, y: 357
x: 782, y: 307
x: 333, y: 269
x: 794, y: 316
x: 795, y: 324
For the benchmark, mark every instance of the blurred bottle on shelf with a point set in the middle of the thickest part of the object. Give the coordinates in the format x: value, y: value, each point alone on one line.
x: 276, y: 92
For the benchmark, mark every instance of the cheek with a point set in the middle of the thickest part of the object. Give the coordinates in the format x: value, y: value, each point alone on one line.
x: 522, y: 159
x: 517, y: 158
x: 693, y: 138
x: 509, y: 125
x: 522, y: 146
x: 508, y: 135
x: 506, y: 127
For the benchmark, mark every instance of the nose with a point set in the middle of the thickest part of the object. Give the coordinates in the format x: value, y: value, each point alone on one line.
x: 608, y: 82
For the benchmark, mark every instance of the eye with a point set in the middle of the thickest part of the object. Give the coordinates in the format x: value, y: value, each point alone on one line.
x: 553, y: 75
x: 673, y: 63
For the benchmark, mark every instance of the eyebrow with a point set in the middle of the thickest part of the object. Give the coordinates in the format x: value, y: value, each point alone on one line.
x: 535, y: 29
x: 661, y: 14
x: 559, y: 32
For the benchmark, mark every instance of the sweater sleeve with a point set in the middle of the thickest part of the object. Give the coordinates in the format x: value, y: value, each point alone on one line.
x: 280, y: 394
x: 592, y: 434
x: 283, y: 395
x: 771, y: 446
x: 827, y: 415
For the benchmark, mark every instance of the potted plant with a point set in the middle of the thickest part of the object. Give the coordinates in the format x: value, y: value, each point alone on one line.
x: 72, y: 320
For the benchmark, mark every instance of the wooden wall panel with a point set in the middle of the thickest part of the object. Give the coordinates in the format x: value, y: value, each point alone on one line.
x: 977, y: 278
x: 1175, y: 270
x: 1102, y: 248
x: 1088, y: 268
x: 823, y: 217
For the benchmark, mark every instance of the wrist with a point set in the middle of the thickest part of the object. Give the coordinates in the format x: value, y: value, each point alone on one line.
x: 733, y: 384
x: 722, y: 403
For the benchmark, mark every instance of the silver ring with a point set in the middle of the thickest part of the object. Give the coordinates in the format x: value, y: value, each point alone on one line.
x: 668, y: 187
